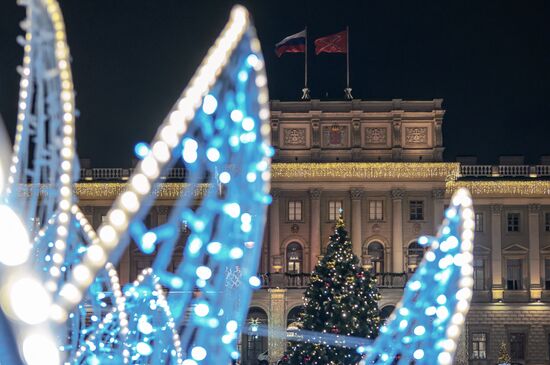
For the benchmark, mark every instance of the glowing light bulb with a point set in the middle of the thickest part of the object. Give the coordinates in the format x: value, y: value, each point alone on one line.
x: 225, y: 177
x: 209, y: 104
x: 39, y: 349
x: 190, y: 147
x: 236, y: 115
x: 198, y: 353
x: 214, y: 247
x: 141, y: 149
x: 213, y: 154
x: 29, y: 300
x: 204, y: 272
x: 202, y: 310
x: 14, y: 245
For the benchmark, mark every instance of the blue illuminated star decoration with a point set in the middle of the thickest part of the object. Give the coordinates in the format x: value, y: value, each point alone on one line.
x: 171, y: 314
x: 425, y: 325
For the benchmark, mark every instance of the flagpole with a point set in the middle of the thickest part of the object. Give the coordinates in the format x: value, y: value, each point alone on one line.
x: 347, y: 91
x: 305, y: 90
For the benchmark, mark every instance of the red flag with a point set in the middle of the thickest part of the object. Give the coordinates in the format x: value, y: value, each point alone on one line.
x: 334, y: 43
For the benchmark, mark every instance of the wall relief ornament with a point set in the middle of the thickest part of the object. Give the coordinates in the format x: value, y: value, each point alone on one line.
x: 295, y: 136
x: 335, y: 136
x: 374, y: 135
x: 416, y: 135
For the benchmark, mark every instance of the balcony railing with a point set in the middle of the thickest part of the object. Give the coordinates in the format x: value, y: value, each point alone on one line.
x: 505, y: 171
x: 105, y: 174
x: 301, y: 280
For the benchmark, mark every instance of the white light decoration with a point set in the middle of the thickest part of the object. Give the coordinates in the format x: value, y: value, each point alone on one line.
x: 209, y: 104
x: 436, y: 299
x: 15, y: 244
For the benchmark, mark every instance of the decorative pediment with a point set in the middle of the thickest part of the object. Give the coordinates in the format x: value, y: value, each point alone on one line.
x: 481, y: 249
x: 516, y: 248
x: 545, y: 249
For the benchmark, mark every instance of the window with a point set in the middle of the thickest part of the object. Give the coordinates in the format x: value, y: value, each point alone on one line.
x: 479, y: 345
x: 515, y: 274
x: 416, y: 209
x: 386, y: 312
x: 513, y: 222
x: 252, y: 343
x: 294, y: 258
x: 547, y: 222
x: 479, y: 222
x: 376, y: 252
x: 376, y: 210
x: 295, y: 210
x: 415, y: 253
x: 334, y: 209
x: 479, y: 274
x: 547, y: 274
x: 517, y: 346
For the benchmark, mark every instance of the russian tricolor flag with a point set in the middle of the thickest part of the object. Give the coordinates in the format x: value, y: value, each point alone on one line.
x: 295, y: 43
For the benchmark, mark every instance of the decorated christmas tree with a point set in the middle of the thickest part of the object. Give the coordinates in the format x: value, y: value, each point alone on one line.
x: 341, y: 300
x: 503, y: 354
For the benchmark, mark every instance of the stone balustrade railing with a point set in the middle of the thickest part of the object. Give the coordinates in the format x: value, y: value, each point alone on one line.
x: 301, y: 280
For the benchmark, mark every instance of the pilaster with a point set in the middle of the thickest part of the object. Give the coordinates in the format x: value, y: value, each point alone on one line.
x: 496, y: 252
x: 535, y: 288
x: 397, y: 229
x: 276, y: 324
x: 356, y: 195
x: 274, y: 228
x: 315, y: 227
x: 438, y: 195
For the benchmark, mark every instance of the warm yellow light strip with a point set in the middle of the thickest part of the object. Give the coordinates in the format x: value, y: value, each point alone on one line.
x: 372, y: 171
x: 148, y: 170
x: 502, y: 188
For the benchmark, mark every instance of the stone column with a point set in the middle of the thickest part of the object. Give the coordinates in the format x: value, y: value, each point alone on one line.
x: 535, y: 288
x: 496, y: 252
x: 438, y: 195
x: 276, y: 343
x: 397, y: 229
x: 356, y: 221
x: 274, y: 228
x: 315, y: 227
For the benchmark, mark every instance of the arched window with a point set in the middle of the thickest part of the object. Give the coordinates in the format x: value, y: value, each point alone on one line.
x: 376, y: 252
x: 415, y: 253
x: 385, y: 312
x: 294, y: 258
x: 254, y: 347
x: 293, y: 321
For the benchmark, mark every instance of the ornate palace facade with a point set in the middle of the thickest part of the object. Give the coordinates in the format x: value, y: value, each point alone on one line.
x: 381, y: 162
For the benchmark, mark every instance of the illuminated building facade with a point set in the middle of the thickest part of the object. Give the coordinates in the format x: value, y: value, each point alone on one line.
x: 382, y: 163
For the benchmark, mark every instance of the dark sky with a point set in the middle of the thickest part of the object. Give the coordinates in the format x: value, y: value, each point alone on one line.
x: 489, y: 60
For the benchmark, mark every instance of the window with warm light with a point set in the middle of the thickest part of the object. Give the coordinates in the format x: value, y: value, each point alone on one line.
x: 334, y: 209
x: 294, y: 258
x: 514, y: 278
x: 376, y: 210
x: 479, y: 345
x: 295, y: 210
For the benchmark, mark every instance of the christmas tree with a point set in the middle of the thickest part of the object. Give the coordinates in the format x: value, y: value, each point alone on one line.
x: 341, y: 300
x: 503, y: 355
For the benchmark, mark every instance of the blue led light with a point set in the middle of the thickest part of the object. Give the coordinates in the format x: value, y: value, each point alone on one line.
x: 141, y: 149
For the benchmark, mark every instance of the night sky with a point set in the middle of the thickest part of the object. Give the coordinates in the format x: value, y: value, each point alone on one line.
x: 489, y: 60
